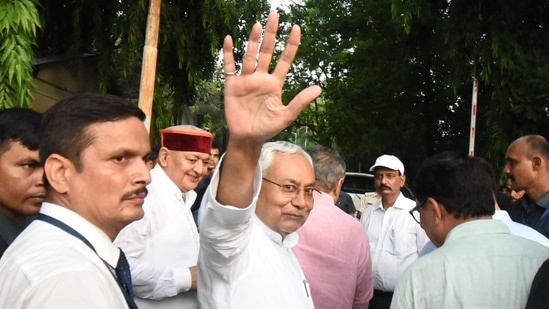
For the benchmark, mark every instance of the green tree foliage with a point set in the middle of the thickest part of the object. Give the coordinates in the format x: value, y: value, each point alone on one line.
x: 397, y: 75
x: 209, y: 110
x: 190, y: 37
x: 18, y: 23
x: 508, y: 43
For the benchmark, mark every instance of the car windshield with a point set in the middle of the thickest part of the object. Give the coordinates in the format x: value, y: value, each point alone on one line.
x: 358, y: 183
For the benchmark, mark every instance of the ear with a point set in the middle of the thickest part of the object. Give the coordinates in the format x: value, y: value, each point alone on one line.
x: 439, y: 212
x: 402, y: 180
x: 163, y: 156
x: 337, y: 188
x: 536, y: 163
x: 58, y: 171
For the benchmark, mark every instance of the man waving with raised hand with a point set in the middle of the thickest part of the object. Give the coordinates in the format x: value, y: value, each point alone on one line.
x: 247, y: 225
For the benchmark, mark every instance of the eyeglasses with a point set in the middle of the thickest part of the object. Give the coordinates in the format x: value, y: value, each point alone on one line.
x: 291, y: 190
x: 415, y: 211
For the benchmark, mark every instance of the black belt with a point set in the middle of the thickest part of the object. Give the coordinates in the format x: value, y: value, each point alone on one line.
x: 379, y: 293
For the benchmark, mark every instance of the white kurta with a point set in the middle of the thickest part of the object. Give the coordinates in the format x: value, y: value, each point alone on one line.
x: 243, y: 263
x: 162, y: 246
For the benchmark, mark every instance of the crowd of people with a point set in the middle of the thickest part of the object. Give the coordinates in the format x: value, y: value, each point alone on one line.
x: 91, y: 217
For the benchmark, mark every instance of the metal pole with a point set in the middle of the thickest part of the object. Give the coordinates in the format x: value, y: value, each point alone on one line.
x: 306, y: 134
x: 473, y: 116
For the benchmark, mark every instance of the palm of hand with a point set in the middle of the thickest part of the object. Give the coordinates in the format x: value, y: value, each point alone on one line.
x: 253, y: 106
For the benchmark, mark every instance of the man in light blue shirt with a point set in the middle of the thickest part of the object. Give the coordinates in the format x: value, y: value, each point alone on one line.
x: 479, y: 263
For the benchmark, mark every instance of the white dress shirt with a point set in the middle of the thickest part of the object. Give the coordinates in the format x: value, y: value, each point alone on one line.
x: 243, y: 263
x: 520, y: 229
x: 395, y: 240
x: 46, y: 267
x: 162, y: 246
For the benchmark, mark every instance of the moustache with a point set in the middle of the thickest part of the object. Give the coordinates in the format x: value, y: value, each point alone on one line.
x: 129, y: 195
x: 384, y: 187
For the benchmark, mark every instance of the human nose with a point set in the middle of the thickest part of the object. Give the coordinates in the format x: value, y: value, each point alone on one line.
x: 300, y: 200
x: 200, y: 167
x: 506, y: 169
x: 143, y: 173
x: 39, y: 177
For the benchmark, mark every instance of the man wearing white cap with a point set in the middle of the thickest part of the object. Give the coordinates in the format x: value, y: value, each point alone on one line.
x: 395, y: 238
x: 162, y: 248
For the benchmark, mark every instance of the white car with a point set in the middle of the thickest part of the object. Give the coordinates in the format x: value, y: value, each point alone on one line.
x: 360, y: 187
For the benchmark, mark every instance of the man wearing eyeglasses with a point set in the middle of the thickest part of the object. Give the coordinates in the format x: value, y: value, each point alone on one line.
x: 478, y: 263
x: 260, y: 193
x: 395, y: 238
x: 251, y: 253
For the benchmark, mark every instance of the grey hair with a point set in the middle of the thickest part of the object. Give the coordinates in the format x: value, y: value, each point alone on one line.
x: 329, y: 167
x: 271, y: 149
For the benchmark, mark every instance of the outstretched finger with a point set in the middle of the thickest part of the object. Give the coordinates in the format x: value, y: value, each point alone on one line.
x: 287, y: 57
x: 250, y: 57
x: 302, y: 99
x: 229, y: 66
x: 268, y: 44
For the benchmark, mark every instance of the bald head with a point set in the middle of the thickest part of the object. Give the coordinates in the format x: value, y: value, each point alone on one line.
x: 527, y: 165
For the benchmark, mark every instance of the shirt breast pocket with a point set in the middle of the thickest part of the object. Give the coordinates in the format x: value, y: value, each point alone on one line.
x: 403, y: 242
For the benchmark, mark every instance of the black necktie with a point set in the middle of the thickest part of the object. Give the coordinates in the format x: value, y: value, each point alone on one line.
x: 123, y: 274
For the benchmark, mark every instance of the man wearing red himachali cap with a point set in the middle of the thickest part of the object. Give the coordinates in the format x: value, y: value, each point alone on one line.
x: 162, y: 248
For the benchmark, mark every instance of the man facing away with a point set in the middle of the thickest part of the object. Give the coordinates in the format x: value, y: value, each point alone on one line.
x: 21, y: 181
x: 251, y: 210
x: 162, y: 247
x: 527, y: 168
x: 333, y: 247
x: 479, y: 263
x: 395, y: 238
x: 93, y: 148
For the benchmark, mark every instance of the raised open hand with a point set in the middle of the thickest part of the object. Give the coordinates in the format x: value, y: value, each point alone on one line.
x: 253, y: 99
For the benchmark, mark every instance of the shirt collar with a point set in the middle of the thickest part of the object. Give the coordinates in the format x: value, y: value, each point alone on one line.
x: 397, y: 205
x: 477, y: 227
x: 100, y: 241
x: 289, y: 241
x: 502, y: 215
x: 544, y: 201
x: 167, y: 185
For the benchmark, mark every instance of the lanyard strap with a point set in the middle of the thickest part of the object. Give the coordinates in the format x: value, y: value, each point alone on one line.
x: 63, y: 226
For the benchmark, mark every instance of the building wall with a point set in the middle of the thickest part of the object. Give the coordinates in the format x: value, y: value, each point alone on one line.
x: 58, y: 79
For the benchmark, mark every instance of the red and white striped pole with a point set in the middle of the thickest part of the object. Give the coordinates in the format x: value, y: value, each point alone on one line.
x: 473, y: 117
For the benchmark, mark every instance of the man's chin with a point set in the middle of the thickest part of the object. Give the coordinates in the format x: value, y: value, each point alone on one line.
x: 136, y: 214
x: 291, y: 227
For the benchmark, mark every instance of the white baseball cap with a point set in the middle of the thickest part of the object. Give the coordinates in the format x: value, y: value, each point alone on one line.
x: 390, y: 162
